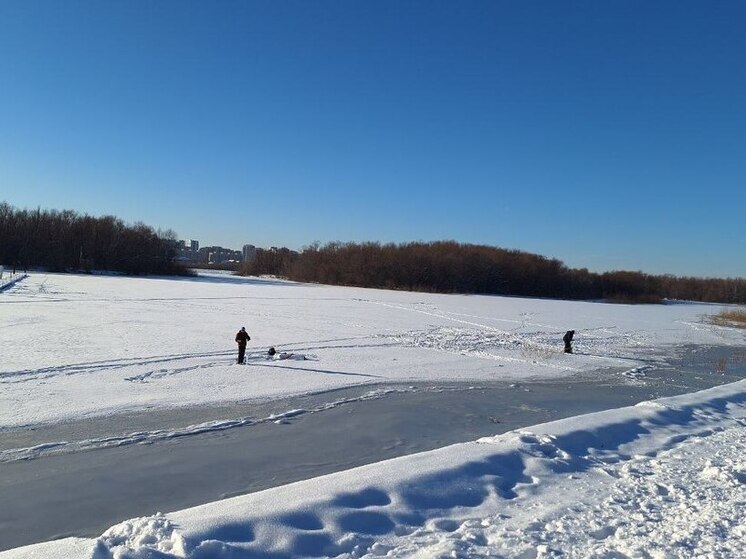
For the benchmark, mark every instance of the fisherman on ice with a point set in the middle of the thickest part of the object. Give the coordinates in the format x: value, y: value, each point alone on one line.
x: 241, y: 338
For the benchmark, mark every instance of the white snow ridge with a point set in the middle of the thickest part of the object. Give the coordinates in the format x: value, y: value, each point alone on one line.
x: 140, y: 537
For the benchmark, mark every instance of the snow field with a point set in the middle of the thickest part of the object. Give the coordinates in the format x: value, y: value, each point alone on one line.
x: 660, y: 479
x: 85, y: 346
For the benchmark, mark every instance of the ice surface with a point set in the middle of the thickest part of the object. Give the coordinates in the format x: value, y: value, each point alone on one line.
x: 84, y: 346
x: 661, y: 479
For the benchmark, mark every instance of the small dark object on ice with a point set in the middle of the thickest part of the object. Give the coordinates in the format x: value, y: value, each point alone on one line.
x: 567, y: 338
x: 272, y: 354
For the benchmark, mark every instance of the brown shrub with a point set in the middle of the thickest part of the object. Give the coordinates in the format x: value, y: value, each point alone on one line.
x: 731, y: 318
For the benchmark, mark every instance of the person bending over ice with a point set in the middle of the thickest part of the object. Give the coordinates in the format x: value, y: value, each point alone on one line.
x: 567, y: 338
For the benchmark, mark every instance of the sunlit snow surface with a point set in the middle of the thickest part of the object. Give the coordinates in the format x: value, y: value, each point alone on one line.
x: 663, y: 478
x: 79, y: 346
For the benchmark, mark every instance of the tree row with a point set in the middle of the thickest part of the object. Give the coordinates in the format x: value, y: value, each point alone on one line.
x: 451, y: 267
x: 67, y: 241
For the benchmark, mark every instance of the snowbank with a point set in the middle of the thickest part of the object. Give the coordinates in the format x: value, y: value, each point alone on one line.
x: 9, y: 279
x: 661, y: 479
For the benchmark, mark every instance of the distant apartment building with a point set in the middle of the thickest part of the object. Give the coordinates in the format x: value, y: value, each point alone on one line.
x: 187, y: 251
x: 249, y: 253
x: 218, y: 255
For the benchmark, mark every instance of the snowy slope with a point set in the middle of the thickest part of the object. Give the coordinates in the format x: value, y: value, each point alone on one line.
x: 660, y: 479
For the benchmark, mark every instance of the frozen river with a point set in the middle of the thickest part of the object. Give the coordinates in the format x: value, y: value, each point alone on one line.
x: 83, y: 492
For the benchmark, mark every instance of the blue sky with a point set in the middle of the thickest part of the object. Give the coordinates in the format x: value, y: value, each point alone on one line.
x: 611, y: 135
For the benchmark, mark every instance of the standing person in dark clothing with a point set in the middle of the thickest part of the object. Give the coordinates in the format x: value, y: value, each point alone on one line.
x: 567, y: 338
x: 241, y: 338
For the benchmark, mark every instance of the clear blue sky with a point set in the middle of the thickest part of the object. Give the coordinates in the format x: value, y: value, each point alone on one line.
x: 611, y: 135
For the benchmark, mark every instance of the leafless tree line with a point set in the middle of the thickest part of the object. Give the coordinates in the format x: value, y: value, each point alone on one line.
x: 67, y: 241
x: 451, y: 267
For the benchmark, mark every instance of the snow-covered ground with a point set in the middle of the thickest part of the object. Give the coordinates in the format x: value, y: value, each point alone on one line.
x: 83, y: 346
x: 661, y: 479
